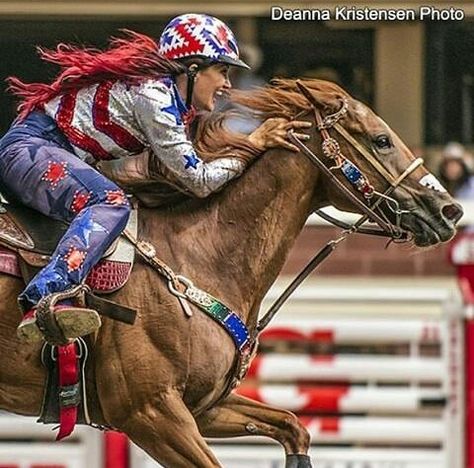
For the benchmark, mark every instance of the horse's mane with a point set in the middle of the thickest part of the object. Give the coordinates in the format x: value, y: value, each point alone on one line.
x: 282, y: 97
x: 213, y: 139
x: 279, y: 98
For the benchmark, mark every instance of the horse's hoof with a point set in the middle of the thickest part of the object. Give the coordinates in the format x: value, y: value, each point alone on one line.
x: 298, y: 461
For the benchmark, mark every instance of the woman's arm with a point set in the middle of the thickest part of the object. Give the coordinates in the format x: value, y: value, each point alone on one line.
x: 173, y: 156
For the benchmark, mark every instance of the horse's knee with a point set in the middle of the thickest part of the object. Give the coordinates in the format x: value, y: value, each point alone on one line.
x: 296, y: 435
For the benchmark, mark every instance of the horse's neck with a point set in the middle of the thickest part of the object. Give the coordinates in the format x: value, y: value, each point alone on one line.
x: 250, y: 228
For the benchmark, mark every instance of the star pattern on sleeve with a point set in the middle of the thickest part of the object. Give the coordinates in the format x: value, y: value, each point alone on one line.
x: 172, y: 110
x: 191, y: 161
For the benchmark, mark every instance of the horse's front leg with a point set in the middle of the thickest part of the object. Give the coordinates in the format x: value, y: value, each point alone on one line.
x: 166, y: 430
x: 239, y: 416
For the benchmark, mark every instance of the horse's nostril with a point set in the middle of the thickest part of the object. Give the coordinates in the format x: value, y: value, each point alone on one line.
x: 452, y: 212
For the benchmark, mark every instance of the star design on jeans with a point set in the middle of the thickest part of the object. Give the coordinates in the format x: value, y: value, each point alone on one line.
x: 85, y: 226
x: 49, y: 280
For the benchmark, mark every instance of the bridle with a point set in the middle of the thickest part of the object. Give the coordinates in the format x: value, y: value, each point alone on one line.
x: 369, y: 205
x: 372, y: 200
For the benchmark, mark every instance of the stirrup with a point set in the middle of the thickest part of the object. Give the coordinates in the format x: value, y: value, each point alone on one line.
x: 28, y: 331
x: 72, y: 321
x: 59, y: 324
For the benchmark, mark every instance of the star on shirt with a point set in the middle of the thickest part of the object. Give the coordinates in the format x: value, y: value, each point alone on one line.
x: 191, y: 161
x: 172, y: 109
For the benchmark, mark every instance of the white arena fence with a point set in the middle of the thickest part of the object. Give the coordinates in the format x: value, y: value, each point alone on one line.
x: 375, y: 373
x: 26, y: 444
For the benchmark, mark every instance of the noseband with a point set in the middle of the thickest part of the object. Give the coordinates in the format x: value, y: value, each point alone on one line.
x: 371, y: 199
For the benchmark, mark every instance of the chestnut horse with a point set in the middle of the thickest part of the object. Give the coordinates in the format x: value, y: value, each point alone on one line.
x: 161, y: 381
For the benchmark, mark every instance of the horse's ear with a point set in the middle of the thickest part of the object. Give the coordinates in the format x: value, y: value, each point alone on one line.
x: 307, y: 93
x: 315, y: 97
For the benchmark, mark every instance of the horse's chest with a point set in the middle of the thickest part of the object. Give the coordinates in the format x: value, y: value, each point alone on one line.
x: 211, y: 363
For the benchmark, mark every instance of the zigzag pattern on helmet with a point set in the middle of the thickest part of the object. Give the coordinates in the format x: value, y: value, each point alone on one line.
x: 193, y: 34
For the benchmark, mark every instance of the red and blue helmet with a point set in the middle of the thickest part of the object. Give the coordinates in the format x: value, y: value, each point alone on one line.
x: 200, y: 36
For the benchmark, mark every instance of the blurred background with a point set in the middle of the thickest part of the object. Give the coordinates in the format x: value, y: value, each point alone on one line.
x: 374, y: 351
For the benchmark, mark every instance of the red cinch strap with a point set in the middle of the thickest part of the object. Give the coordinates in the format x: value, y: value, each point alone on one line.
x: 68, y: 375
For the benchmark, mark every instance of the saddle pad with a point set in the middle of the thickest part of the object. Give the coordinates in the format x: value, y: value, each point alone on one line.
x: 113, y: 271
x: 108, y: 276
x: 105, y: 277
x: 9, y: 262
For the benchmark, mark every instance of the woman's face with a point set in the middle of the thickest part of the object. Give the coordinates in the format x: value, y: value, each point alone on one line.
x: 209, y: 84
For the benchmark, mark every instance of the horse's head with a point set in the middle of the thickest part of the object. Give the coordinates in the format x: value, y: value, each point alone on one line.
x: 368, y: 157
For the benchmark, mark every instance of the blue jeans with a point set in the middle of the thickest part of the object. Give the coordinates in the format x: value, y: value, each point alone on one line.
x: 38, y: 168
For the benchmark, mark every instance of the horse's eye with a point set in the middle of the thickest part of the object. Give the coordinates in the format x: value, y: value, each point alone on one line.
x: 383, y: 142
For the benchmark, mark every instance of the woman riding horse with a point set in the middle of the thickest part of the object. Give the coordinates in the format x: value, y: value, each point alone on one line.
x: 112, y: 105
x: 165, y: 382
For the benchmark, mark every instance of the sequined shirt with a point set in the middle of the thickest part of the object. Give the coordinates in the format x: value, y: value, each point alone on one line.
x: 114, y: 120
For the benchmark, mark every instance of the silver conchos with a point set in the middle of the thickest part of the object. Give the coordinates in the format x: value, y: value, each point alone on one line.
x: 198, y: 296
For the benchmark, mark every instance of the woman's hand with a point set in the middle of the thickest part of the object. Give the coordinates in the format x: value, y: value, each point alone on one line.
x: 273, y: 133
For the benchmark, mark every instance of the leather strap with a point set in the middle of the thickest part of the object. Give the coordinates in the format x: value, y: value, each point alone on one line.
x: 308, y: 269
x: 375, y: 164
x: 322, y: 167
x: 110, y: 309
x: 362, y: 230
x: 148, y: 253
x: 68, y: 380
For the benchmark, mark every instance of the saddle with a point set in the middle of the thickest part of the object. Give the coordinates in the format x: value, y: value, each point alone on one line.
x: 29, y: 238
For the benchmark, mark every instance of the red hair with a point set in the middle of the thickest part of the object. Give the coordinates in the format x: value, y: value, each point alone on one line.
x: 131, y: 59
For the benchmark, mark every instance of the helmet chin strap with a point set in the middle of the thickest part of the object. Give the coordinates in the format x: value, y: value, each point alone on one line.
x: 191, y: 73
